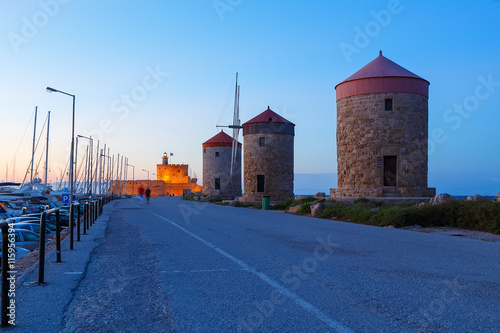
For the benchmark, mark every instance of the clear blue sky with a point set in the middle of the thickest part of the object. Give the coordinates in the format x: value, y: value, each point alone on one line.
x: 290, y: 56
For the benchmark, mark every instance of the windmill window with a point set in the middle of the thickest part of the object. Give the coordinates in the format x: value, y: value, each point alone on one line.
x: 204, y: 150
x: 217, y: 154
x: 260, y: 183
x: 388, y: 104
x: 262, y: 141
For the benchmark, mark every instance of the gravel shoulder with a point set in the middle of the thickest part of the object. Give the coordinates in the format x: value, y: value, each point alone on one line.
x: 455, y: 232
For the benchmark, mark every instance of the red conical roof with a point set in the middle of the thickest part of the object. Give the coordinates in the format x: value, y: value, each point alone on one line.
x: 382, y: 75
x: 220, y: 140
x: 381, y: 67
x: 268, y: 116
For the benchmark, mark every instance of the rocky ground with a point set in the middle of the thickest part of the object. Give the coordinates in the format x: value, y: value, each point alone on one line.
x: 455, y: 232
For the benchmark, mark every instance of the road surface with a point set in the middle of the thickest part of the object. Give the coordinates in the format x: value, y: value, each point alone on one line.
x: 179, y: 266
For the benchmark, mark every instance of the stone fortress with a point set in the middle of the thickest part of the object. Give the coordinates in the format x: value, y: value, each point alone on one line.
x: 171, y: 180
x: 382, y: 133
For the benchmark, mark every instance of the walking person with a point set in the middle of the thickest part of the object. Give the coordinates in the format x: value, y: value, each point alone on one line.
x: 148, y: 194
x: 140, y: 194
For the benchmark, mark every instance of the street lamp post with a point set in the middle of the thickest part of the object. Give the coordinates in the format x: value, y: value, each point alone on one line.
x: 133, y: 177
x: 148, y: 175
x: 71, y: 158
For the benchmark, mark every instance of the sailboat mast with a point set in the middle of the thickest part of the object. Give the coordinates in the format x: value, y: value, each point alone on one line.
x: 235, y: 128
x: 96, y: 168
x: 33, y: 150
x: 47, y: 150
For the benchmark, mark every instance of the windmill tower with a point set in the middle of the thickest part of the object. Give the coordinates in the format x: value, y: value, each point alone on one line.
x: 382, y: 132
x: 221, y: 171
x: 268, y: 156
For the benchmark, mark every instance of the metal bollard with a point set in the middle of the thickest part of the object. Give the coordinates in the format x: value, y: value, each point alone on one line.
x: 91, y: 213
x: 58, y: 236
x: 71, y: 225
x: 41, y: 248
x: 78, y: 222
x: 85, y: 215
x: 5, y: 283
x: 41, y: 244
x: 88, y: 215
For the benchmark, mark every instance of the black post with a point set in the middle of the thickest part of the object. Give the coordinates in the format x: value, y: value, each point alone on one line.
x: 85, y: 216
x: 5, y: 281
x: 71, y: 225
x: 78, y: 222
x: 88, y: 215
x: 58, y: 236
x: 41, y: 248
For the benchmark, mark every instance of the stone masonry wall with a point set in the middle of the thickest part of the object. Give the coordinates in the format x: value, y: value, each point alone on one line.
x: 220, y: 167
x: 175, y: 173
x: 274, y: 161
x: 158, y: 188
x: 366, y: 133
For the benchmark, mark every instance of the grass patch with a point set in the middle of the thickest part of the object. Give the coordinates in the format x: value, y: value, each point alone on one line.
x: 482, y: 215
x: 304, y: 209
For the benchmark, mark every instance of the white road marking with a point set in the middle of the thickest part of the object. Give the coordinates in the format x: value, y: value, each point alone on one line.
x: 290, y: 294
x: 73, y: 273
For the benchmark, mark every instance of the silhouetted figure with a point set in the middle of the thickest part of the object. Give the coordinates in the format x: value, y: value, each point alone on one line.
x: 148, y: 194
x: 140, y: 193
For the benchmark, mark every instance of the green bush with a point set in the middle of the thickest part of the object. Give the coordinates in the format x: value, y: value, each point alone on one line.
x: 307, y: 199
x: 482, y: 215
x: 305, y: 208
x: 393, y: 215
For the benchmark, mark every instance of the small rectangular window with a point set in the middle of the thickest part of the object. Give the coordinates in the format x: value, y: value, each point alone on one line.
x: 217, y: 154
x: 388, y: 104
x: 217, y: 183
x: 204, y: 150
x: 260, y: 183
x: 262, y: 141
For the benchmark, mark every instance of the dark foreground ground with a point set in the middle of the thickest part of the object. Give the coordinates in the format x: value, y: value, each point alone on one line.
x: 175, y: 266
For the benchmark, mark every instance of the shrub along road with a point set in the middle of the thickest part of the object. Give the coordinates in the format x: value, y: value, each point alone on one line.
x: 184, y: 266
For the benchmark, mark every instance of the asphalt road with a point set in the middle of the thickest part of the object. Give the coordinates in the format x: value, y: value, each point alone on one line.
x: 178, y: 266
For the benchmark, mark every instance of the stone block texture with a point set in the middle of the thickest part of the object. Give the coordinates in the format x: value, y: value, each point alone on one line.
x: 274, y: 161
x: 217, y: 164
x: 368, y: 135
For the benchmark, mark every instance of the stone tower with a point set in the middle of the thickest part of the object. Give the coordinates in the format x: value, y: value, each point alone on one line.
x: 217, y: 167
x: 164, y: 159
x: 382, y: 129
x: 268, y: 157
